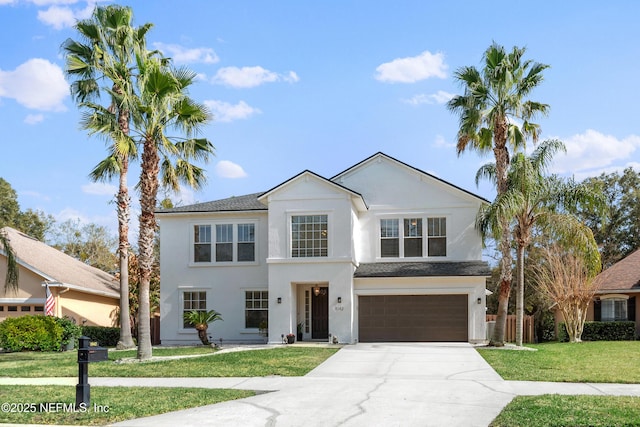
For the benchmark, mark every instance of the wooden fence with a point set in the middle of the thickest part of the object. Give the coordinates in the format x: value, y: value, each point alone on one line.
x: 510, y: 330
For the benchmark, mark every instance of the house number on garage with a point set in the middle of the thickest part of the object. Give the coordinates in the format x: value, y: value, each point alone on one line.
x: 338, y: 308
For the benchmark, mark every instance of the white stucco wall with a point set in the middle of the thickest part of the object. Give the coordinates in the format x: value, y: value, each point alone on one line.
x: 225, y: 284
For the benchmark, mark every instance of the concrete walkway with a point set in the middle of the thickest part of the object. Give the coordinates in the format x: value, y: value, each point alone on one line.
x: 400, y: 384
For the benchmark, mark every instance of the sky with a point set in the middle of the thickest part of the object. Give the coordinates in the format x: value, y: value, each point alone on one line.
x: 320, y: 85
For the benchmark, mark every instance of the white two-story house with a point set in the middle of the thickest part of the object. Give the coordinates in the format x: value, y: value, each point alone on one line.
x: 380, y: 252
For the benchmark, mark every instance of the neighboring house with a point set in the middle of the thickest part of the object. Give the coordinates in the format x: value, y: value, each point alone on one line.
x: 380, y: 252
x: 619, y: 287
x: 84, y: 293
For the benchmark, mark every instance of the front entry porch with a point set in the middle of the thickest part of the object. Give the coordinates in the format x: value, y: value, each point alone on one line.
x: 312, y: 312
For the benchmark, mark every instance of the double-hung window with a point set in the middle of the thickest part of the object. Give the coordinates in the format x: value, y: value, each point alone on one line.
x: 437, y: 236
x: 224, y: 243
x: 246, y: 242
x: 256, y: 311
x: 202, y: 243
x: 309, y: 236
x: 193, y: 300
x: 404, y: 237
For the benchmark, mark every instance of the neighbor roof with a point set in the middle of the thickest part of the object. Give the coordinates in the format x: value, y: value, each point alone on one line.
x: 59, y: 268
x: 423, y: 269
x: 621, y: 276
x: 248, y: 202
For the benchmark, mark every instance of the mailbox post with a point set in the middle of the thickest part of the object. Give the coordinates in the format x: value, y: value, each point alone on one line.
x: 86, y: 355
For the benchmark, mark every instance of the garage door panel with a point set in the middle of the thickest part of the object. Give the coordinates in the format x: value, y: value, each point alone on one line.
x: 396, y: 318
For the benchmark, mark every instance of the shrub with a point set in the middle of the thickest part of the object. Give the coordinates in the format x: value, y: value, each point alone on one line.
x: 602, y: 331
x: 70, y: 331
x: 103, y: 335
x: 36, y: 333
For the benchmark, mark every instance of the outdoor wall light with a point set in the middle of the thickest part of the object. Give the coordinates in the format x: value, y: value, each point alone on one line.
x: 479, y: 300
x: 279, y: 300
x: 339, y: 300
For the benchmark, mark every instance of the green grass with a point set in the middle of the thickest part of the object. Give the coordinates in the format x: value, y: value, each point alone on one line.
x: 557, y: 410
x: 108, y: 404
x: 593, y: 361
x: 285, y: 361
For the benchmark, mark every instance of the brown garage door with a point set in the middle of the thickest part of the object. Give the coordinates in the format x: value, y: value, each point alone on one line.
x: 393, y: 318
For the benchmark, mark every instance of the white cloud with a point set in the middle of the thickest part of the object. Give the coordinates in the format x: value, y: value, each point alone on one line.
x: 412, y: 69
x: 60, y: 17
x: 99, y: 189
x: 37, y: 84
x: 33, y: 119
x: 184, y: 55
x: 440, y: 142
x: 592, y: 152
x: 247, y: 77
x: 440, y: 97
x: 226, y: 112
x: 228, y: 169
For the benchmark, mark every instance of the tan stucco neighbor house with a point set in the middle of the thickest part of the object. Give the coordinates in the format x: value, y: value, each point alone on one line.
x: 84, y: 293
x: 382, y: 251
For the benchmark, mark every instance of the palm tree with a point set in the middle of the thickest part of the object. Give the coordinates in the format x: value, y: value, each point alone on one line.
x: 535, y: 200
x: 11, y: 278
x: 107, y: 53
x: 200, y: 320
x: 493, y: 100
x: 163, y: 105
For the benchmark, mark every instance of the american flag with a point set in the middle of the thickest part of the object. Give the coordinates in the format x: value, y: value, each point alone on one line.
x: 50, y: 303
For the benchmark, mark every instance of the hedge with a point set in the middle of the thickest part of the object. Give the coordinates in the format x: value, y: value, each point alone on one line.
x: 602, y: 331
x: 34, y: 333
x: 103, y: 335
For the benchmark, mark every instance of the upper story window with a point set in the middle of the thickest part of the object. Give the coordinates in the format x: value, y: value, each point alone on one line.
x: 309, y: 236
x: 202, y: 243
x: 233, y: 242
x: 437, y: 236
x: 403, y: 238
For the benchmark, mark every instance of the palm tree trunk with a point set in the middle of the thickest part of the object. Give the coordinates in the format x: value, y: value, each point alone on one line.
x: 148, y: 194
x: 502, y: 164
x: 126, y: 341
x: 520, y: 294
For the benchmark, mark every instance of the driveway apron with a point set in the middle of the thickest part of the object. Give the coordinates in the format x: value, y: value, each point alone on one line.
x: 390, y: 384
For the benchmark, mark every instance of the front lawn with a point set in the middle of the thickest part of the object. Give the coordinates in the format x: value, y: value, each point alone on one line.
x: 55, y: 404
x: 590, y: 361
x: 284, y: 361
x: 557, y: 410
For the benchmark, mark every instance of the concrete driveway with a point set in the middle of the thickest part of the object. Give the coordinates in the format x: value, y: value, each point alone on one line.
x: 399, y: 384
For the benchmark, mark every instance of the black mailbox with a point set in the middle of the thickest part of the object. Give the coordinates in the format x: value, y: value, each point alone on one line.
x: 86, y: 354
x: 92, y: 354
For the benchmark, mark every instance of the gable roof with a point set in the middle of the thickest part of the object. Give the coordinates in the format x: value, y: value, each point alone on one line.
x: 360, y: 200
x: 380, y: 154
x: 621, y: 276
x: 423, y: 269
x: 247, y: 202
x: 59, y: 268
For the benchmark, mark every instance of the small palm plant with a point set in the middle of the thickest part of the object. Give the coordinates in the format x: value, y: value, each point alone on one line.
x: 200, y: 319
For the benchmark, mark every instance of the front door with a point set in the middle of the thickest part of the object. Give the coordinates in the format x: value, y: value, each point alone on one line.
x: 320, y: 314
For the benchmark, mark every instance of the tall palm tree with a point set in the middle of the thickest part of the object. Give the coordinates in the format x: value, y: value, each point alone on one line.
x: 107, y: 54
x: 494, y: 100
x: 533, y: 199
x: 162, y: 106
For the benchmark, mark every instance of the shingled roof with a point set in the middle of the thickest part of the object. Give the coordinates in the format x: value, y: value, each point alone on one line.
x: 621, y: 276
x: 422, y: 269
x: 247, y: 202
x: 59, y: 268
